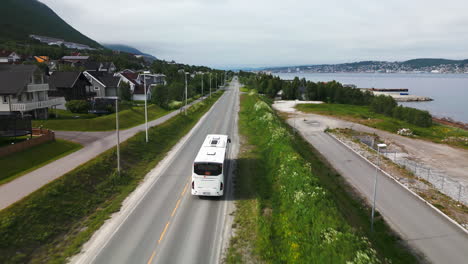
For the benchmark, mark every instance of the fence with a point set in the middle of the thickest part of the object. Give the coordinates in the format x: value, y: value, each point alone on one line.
x: 438, y: 178
x: 46, y: 135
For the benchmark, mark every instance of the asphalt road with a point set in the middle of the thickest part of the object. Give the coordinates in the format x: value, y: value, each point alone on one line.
x: 168, y: 225
x: 96, y: 143
x: 439, y: 240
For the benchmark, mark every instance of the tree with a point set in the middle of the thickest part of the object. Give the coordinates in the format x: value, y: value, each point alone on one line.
x: 124, y: 91
x: 161, y: 96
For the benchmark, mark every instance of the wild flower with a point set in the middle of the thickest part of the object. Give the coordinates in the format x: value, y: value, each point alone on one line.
x: 368, y: 256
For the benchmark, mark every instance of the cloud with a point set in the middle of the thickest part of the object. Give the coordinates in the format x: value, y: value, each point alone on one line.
x: 261, y: 32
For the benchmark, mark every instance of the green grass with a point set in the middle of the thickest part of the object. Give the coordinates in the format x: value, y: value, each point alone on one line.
x: 244, y: 89
x: 20, y: 163
x: 53, y: 223
x: 292, y: 207
x: 65, y: 114
x: 127, y: 118
x: 362, y: 114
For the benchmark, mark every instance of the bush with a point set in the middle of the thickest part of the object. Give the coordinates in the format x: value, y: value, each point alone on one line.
x: 77, y: 106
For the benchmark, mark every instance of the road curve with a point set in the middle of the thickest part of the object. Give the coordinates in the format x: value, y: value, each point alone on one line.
x: 169, y: 225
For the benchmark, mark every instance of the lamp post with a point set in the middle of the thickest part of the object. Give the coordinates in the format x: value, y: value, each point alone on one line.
x: 146, y: 104
x: 202, y: 86
x: 185, y: 109
x: 379, y: 146
x: 216, y: 76
x: 117, y: 130
x: 210, y: 84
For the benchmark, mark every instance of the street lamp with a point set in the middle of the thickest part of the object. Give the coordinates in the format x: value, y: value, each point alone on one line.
x: 146, y: 104
x: 202, y: 85
x: 379, y: 146
x: 185, y: 75
x: 210, y: 84
x: 117, y: 130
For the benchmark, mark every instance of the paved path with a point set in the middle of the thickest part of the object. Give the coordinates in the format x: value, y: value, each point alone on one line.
x: 161, y: 222
x: 95, y: 143
x: 438, y: 239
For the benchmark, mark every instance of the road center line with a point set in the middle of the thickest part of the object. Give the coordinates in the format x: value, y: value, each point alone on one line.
x: 175, y: 208
x: 164, y: 232
x: 185, y: 189
x: 152, y: 256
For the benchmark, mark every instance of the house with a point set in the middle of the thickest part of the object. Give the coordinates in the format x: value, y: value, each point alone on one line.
x: 75, y: 61
x: 108, y: 67
x: 137, y: 82
x: 130, y: 78
x: 71, y: 85
x: 104, y: 84
x: 9, y: 56
x: 24, y: 89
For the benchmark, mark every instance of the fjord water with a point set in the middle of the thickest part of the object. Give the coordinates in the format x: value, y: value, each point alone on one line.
x: 449, y: 91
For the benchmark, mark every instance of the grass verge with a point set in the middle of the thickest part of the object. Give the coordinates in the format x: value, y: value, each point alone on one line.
x: 362, y: 114
x: 292, y: 207
x: 127, y: 118
x: 53, y: 223
x: 20, y: 163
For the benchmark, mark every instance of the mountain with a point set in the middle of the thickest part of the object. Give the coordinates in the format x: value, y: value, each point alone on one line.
x: 20, y: 18
x: 415, y: 65
x: 128, y: 49
x: 432, y: 62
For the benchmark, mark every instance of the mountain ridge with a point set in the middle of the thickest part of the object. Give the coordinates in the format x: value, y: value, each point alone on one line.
x: 20, y: 18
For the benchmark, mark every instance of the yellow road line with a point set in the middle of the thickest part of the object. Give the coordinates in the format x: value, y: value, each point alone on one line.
x: 185, y: 189
x: 175, y: 208
x: 164, y: 232
x: 152, y: 256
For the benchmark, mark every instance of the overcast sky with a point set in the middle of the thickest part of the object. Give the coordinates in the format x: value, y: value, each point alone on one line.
x: 270, y: 32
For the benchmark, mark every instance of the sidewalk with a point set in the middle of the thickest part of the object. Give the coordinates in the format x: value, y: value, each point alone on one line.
x: 94, y: 143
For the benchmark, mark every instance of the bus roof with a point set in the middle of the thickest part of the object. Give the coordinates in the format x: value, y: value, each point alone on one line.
x: 213, y: 149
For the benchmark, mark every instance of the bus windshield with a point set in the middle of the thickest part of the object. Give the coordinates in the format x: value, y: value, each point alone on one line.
x: 209, y: 169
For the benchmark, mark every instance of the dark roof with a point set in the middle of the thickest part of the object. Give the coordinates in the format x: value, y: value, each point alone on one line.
x: 13, y: 82
x: 5, y: 53
x: 63, y: 79
x: 14, y: 78
x: 105, y: 78
x: 110, y: 81
x: 92, y: 65
x: 18, y: 68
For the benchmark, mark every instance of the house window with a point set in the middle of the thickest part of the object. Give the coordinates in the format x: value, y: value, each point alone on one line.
x: 5, y: 101
x: 96, y: 88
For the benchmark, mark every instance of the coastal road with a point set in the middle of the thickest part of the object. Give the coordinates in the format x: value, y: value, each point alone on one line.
x: 168, y: 224
x: 94, y: 143
x: 438, y: 239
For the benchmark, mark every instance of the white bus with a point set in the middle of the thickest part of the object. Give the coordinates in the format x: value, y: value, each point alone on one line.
x: 209, y: 166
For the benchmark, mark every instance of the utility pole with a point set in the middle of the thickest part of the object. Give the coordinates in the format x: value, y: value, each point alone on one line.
x: 216, y: 75
x: 210, y: 84
x: 202, y: 85
x: 375, y: 183
x: 117, y: 130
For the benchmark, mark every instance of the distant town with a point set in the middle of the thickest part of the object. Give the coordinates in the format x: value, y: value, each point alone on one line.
x: 411, y: 66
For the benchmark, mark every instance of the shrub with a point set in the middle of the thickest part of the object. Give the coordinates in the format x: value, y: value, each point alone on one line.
x: 77, y: 106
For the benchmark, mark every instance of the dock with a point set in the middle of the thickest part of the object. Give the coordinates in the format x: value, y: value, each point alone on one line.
x: 399, y: 94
